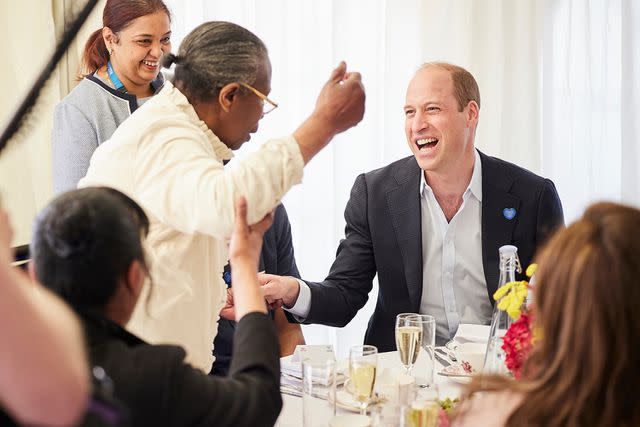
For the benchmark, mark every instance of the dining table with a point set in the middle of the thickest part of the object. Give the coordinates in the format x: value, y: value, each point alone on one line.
x: 388, y: 366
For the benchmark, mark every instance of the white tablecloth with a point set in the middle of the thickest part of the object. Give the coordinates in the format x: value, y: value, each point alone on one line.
x: 291, y: 415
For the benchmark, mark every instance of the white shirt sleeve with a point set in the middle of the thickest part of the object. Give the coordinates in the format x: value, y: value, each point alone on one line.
x: 303, y: 304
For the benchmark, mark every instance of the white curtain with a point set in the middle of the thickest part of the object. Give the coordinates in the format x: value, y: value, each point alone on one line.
x: 558, y: 78
x: 590, y: 108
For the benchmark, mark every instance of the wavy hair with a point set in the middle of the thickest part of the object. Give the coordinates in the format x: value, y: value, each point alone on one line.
x: 587, y: 362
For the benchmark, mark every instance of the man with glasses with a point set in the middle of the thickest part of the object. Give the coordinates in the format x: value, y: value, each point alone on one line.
x: 169, y: 156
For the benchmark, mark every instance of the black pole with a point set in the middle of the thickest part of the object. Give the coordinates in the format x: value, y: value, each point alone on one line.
x: 30, y: 100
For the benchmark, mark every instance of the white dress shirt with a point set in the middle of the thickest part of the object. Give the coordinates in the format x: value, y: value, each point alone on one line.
x: 170, y: 162
x: 454, y: 288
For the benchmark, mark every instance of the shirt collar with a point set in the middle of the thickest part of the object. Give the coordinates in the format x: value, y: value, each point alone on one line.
x: 173, y: 93
x: 475, y: 185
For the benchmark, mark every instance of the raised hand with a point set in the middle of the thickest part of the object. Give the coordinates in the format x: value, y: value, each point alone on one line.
x: 340, y: 105
x: 246, y: 240
x: 244, y: 255
x: 341, y: 100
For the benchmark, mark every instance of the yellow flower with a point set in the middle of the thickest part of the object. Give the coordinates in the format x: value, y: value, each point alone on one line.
x: 511, y: 296
x: 531, y: 270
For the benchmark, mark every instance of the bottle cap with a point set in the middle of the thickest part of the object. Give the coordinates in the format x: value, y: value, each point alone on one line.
x: 508, y: 250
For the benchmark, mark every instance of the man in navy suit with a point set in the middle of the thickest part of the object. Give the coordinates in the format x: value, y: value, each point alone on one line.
x: 429, y: 225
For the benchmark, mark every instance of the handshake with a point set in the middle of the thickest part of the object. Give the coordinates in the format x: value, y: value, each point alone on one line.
x: 278, y: 291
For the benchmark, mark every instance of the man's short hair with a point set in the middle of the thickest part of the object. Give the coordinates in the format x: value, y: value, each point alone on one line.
x: 464, y: 84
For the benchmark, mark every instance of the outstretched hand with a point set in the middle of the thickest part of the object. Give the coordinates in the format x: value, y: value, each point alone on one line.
x: 279, y: 291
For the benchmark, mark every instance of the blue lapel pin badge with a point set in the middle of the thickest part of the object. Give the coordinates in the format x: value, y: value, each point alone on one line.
x: 509, y: 213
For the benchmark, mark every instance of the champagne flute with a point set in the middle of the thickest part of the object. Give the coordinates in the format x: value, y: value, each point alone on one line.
x: 363, y: 362
x: 408, y: 339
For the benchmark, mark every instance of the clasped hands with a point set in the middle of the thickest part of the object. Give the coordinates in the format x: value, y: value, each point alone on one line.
x: 278, y: 291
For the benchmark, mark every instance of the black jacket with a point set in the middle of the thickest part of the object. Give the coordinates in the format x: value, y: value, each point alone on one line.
x: 160, y: 389
x: 383, y: 237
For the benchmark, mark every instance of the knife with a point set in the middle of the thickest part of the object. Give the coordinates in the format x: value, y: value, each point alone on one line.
x: 444, y: 362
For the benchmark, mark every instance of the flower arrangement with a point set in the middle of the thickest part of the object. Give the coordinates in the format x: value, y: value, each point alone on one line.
x: 518, y: 340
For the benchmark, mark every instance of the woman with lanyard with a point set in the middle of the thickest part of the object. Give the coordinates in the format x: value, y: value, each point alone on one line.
x: 121, y: 68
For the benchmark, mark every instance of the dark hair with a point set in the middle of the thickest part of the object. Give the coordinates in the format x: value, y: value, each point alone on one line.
x: 117, y: 15
x: 214, y: 54
x: 585, y: 361
x: 84, y: 242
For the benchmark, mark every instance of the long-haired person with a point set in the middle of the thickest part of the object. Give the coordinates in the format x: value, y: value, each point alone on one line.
x: 121, y: 70
x: 87, y: 248
x: 585, y: 365
x: 169, y: 156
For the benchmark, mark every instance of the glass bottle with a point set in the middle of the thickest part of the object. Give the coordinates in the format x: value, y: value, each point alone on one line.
x: 494, y: 361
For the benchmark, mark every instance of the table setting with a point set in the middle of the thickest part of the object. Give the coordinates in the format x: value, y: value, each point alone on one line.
x: 407, y: 387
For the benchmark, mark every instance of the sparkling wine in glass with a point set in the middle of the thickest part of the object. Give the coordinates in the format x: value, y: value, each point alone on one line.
x: 363, y: 363
x: 408, y: 339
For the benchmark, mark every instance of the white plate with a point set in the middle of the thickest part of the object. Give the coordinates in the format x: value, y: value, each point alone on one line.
x: 460, y: 380
x: 347, y: 401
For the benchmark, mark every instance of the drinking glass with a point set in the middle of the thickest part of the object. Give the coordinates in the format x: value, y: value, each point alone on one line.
x: 408, y: 339
x: 427, y: 363
x: 363, y: 363
x: 318, y: 392
x: 423, y: 411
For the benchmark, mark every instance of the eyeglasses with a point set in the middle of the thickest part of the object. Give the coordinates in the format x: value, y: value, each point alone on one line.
x: 267, y: 104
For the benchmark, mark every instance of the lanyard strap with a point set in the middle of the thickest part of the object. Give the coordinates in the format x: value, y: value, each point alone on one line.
x: 114, y: 78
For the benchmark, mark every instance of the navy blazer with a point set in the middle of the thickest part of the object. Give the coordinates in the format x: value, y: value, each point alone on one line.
x: 276, y: 258
x: 383, y: 235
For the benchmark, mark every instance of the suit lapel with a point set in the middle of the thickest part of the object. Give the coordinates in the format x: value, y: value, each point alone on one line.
x: 403, y: 203
x: 497, y: 229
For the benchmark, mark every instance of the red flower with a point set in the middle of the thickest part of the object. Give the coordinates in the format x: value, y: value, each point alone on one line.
x: 517, y: 343
x: 443, y: 419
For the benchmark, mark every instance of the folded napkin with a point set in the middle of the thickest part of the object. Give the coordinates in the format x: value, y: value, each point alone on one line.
x: 468, y: 332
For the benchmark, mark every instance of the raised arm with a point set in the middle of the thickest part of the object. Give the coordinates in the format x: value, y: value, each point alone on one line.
x: 43, y: 370
x: 250, y: 396
x: 196, y: 194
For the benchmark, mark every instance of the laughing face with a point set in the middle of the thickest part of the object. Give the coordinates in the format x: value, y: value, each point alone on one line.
x: 138, y: 49
x: 439, y: 135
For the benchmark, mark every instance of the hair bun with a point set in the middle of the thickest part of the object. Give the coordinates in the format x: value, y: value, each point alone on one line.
x: 70, y: 234
x: 169, y: 59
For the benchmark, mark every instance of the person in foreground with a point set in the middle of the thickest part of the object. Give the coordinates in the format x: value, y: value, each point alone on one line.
x: 120, y: 70
x: 87, y: 248
x: 585, y: 362
x: 169, y: 156
x: 44, y: 378
x: 428, y: 225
